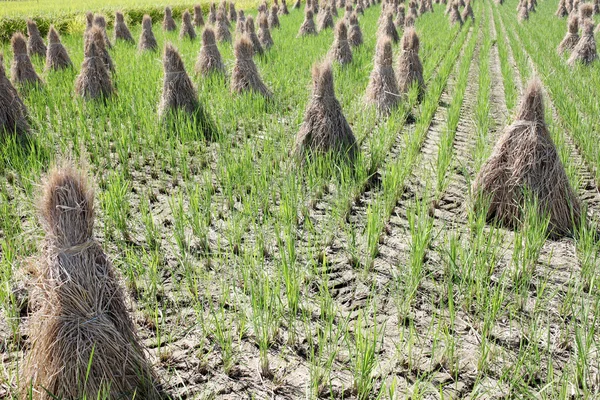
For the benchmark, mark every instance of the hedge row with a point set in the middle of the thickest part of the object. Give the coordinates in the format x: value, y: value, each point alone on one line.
x: 75, y: 22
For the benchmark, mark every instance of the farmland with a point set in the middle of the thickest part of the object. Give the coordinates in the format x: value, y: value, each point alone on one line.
x: 251, y: 275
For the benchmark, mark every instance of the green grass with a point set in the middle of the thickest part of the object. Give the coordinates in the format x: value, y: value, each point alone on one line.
x: 324, y: 280
x: 33, y: 8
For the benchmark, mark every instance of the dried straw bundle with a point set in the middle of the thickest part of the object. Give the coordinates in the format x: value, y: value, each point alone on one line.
x: 198, y: 18
x: 240, y: 26
x: 569, y: 5
x: 95, y: 35
x: 410, y: 69
x: 340, y: 49
x: 245, y: 76
x: 21, y: 70
x: 13, y: 113
x: 93, y: 82
x: 325, y: 19
x: 168, y: 23
x: 324, y: 128
x: 308, y: 27
x: 212, y: 14
x: 253, y: 37
x: 409, y: 22
x: 382, y: 90
x: 232, y: 12
x: 585, y: 50
x: 455, y: 17
x: 209, y: 59
x: 121, y: 30
x: 179, y: 94
x: 348, y: 12
x: 187, y: 28
x: 412, y: 10
x: 89, y: 21
x: 574, y: 7
x: 422, y: 7
x: 274, y: 17
x: 400, y: 17
x: 264, y: 34
x: 284, y: 9
x: 83, y: 340
x: 448, y: 7
x: 468, y: 12
x: 57, y: 57
x: 355, y: 37
x: 223, y: 9
x: 297, y: 5
x: 523, y: 14
x: 147, y: 39
x: 222, y: 29
x: 35, y: 43
x: 586, y: 11
x: 100, y: 22
x: 596, y: 7
x: 360, y: 7
x: 388, y: 29
x: 525, y: 160
x: 572, y: 37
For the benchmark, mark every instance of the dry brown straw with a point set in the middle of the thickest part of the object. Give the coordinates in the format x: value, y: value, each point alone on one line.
x: 93, y: 81
x: 585, y: 50
x: 147, y: 39
x: 355, y: 37
x: 209, y: 59
x: 83, y: 341
x: 187, y: 30
x: 340, y: 49
x: 198, y: 18
x: 100, y: 22
x: 308, y: 27
x: 22, y: 71
x: 264, y: 34
x: 222, y: 28
x: 35, y: 43
x: 168, y: 21
x: 253, y: 37
x: 13, y: 113
x: 245, y: 76
x: 525, y: 161
x: 572, y: 37
x: 324, y: 128
x: 382, y: 91
x: 121, y: 30
x: 410, y: 69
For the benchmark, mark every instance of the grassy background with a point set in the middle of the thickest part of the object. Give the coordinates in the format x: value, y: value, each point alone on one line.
x: 32, y: 8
